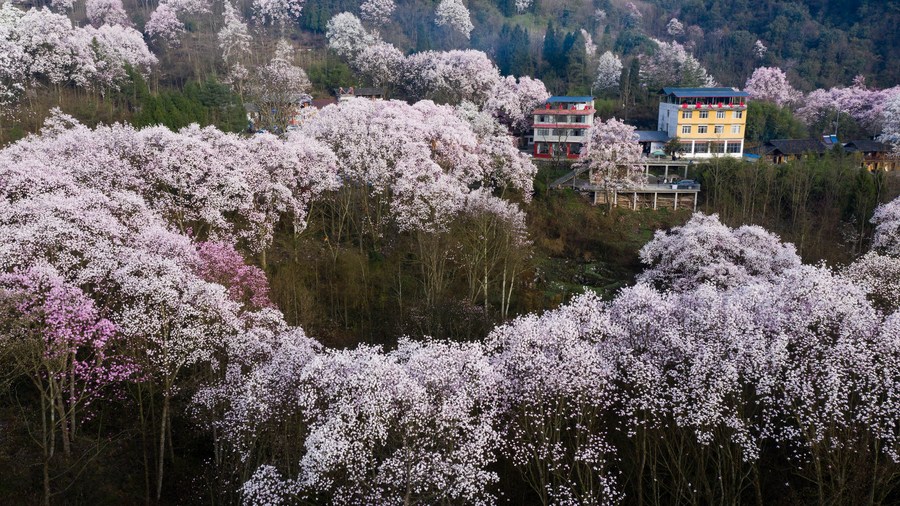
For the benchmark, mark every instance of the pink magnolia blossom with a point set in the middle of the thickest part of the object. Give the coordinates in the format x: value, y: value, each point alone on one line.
x: 890, y: 128
x: 512, y: 101
x: 78, y: 348
x: 867, y: 106
x: 381, y: 63
x: 222, y: 264
x: 164, y: 24
x: 110, y: 12
x: 41, y: 46
x: 456, y: 75
x: 706, y: 251
x: 611, y: 155
x: 770, y: 84
x: 887, y: 228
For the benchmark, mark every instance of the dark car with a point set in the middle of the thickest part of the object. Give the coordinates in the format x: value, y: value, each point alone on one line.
x: 688, y: 184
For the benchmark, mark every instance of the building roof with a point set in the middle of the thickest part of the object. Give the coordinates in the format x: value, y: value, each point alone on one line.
x: 319, y: 103
x: 704, y: 92
x: 794, y: 146
x: 866, y: 146
x: 563, y: 98
x: 651, y: 136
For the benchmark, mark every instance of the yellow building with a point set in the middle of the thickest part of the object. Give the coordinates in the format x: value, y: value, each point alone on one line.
x: 708, y: 122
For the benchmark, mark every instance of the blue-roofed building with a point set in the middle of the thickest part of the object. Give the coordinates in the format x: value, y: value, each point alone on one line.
x: 708, y: 122
x: 561, y: 126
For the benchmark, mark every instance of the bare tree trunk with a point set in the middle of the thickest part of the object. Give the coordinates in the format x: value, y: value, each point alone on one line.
x: 162, y: 441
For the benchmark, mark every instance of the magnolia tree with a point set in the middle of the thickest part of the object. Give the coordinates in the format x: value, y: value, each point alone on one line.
x: 279, y: 12
x: 447, y: 76
x: 672, y: 65
x: 166, y: 22
x: 611, y: 157
x: 56, y: 337
x: 674, y: 27
x: 110, y: 12
x: 760, y: 49
x: 865, y: 105
x: 347, y: 36
x: 513, y: 101
x: 377, y: 12
x: 890, y: 128
x: 455, y: 15
x: 706, y: 251
x: 277, y: 89
x: 609, y: 71
x: 771, y: 85
x: 40, y: 47
x: 88, y: 220
x: 234, y: 41
x: 451, y: 76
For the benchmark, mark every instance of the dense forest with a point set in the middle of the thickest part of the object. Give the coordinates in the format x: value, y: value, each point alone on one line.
x: 216, y: 290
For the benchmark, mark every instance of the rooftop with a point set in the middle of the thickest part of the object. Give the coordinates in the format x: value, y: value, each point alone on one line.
x: 866, y: 146
x: 704, y: 92
x: 565, y: 99
x: 792, y: 146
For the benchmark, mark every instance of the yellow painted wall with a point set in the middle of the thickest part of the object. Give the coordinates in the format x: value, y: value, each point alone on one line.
x: 711, y: 121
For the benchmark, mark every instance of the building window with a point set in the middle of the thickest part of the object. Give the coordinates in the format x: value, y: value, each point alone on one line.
x: 735, y: 129
x: 559, y: 131
x: 543, y: 131
x: 717, y: 147
x: 543, y: 148
x: 685, y: 129
x: 720, y: 129
x: 733, y: 147
x: 579, y: 119
x: 575, y: 132
x: 687, y: 114
x: 720, y: 114
x: 701, y: 147
x: 704, y: 114
x: 541, y: 119
x: 738, y: 114
x: 686, y: 148
x: 702, y: 129
x: 574, y: 149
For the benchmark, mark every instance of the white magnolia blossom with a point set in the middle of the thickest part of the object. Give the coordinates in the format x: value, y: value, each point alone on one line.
x: 609, y: 72
x: 674, y: 27
x: 377, y: 12
x: 454, y: 14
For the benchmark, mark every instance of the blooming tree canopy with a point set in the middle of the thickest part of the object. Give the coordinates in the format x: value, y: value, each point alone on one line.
x: 609, y: 71
x: 770, y: 84
x: 454, y: 14
x: 612, y: 155
x: 377, y: 12
x: 674, y: 27
x: 110, y: 12
x: 39, y: 46
x: 512, y: 101
x: 672, y: 65
x: 890, y: 129
x: 705, y: 251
